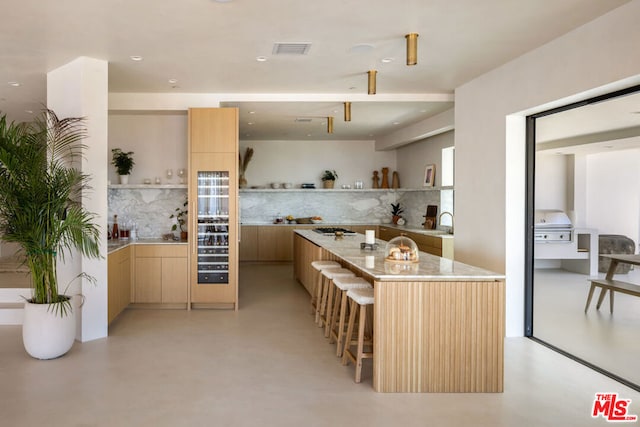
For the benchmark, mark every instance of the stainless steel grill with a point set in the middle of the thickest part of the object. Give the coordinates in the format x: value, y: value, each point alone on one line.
x: 552, y: 226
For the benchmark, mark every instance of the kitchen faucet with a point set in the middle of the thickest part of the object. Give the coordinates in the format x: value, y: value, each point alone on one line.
x: 440, y: 218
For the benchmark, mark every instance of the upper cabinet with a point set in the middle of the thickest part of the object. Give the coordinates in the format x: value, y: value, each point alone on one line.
x: 213, y: 130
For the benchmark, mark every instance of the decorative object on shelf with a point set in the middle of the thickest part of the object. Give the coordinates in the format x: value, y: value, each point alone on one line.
x: 40, y: 211
x: 157, y: 180
x: 242, y: 166
x: 395, y: 180
x: 376, y: 180
x: 396, y: 211
x: 385, y: 178
x: 169, y: 175
x: 430, y: 218
x: 115, y: 233
x: 329, y: 178
x: 358, y: 185
x: 123, y: 161
x: 181, y: 218
x: 316, y: 219
x: 290, y: 219
x: 181, y: 173
x: 429, y: 176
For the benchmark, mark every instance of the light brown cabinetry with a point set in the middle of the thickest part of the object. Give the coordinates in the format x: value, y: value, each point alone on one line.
x: 305, y: 252
x: 268, y: 242
x: 432, y: 244
x: 213, y: 206
x: 161, y: 274
x: 119, y: 283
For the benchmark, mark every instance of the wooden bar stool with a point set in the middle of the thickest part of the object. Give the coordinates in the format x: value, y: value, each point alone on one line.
x: 316, y: 293
x: 325, y: 304
x: 360, y: 300
x: 337, y: 321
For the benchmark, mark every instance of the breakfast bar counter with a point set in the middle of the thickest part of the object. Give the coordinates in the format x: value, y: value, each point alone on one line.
x: 438, y: 324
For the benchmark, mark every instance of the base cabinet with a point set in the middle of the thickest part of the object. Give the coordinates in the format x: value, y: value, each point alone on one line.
x: 432, y: 244
x: 119, y: 283
x: 161, y: 274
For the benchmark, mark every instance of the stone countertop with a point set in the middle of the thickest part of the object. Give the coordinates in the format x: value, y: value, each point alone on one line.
x: 115, y: 245
x: 429, y: 268
x: 440, y: 233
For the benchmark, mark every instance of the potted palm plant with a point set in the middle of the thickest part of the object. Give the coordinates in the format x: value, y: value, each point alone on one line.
x: 40, y: 210
x: 123, y: 161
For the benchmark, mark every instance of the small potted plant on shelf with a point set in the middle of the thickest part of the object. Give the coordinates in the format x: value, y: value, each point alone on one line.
x: 243, y: 163
x: 396, y: 212
x: 181, y: 217
x: 123, y: 161
x: 329, y: 178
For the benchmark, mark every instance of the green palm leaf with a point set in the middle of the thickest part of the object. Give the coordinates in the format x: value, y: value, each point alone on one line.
x: 40, y: 197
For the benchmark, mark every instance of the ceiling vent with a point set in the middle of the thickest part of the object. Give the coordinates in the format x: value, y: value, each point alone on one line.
x: 291, y: 48
x: 303, y: 120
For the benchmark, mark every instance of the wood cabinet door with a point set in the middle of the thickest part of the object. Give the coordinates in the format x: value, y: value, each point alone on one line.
x: 275, y: 243
x: 248, y: 246
x: 174, y: 280
x: 213, y: 130
x: 148, y: 277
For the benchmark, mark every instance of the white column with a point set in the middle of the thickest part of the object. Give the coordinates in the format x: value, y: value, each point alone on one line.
x: 80, y: 89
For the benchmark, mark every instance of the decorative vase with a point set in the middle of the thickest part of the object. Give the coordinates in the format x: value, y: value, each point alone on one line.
x: 395, y: 219
x: 124, y: 179
x: 242, y: 182
x: 328, y: 184
x: 385, y: 178
x: 184, y: 235
x: 46, y: 333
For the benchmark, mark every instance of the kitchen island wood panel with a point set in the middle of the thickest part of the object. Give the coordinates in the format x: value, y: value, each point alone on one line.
x: 119, y: 282
x: 438, y: 324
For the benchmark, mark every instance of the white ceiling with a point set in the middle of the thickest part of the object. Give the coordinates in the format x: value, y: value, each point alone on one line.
x: 211, y: 47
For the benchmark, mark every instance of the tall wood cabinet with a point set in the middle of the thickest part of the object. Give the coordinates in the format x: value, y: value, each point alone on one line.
x: 213, y: 207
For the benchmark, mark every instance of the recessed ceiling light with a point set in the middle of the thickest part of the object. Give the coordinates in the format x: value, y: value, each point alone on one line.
x: 173, y: 81
x: 396, y: 123
x: 250, y: 123
x: 224, y: 1
x: 261, y: 58
x: 136, y: 58
x: 387, y: 60
x: 252, y: 112
x: 28, y: 111
x: 14, y: 84
x: 308, y: 134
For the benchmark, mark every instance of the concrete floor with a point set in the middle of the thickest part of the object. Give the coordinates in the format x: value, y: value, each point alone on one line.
x: 267, y: 365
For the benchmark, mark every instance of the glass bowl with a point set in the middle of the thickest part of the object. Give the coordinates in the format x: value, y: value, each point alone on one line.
x: 401, y: 249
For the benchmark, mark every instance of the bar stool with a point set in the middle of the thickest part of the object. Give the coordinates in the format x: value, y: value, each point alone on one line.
x: 325, y: 304
x: 339, y: 314
x: 316, y: 293
x: 360, y: 300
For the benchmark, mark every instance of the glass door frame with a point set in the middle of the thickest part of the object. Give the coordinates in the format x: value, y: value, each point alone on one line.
x: 529, y: 212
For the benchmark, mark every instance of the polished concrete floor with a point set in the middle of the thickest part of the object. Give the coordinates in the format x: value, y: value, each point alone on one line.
x: 266, y: 365
x: 608, y: 340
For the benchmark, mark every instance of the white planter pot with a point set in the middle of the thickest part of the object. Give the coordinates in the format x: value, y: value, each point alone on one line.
x: 45, y: 333
x: 124, y: 179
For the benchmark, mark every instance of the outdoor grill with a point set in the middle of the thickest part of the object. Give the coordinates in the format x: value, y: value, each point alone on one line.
x: 552, y: 226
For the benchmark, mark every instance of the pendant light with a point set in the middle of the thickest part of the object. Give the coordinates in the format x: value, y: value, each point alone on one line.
x: 330, y: 124
x: 412, y: 48
x: 372, y: 82
x: 347, y: 111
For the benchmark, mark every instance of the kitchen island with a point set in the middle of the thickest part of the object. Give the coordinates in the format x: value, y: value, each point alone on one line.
x: 438, y: 324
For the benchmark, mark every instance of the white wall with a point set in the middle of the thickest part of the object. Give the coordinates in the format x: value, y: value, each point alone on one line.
x: 551, y: 181
x: 300, y: 162
x: 413, y: 158
x: 613, y: 193
x: 158, y: 140
x: 490, y: 136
